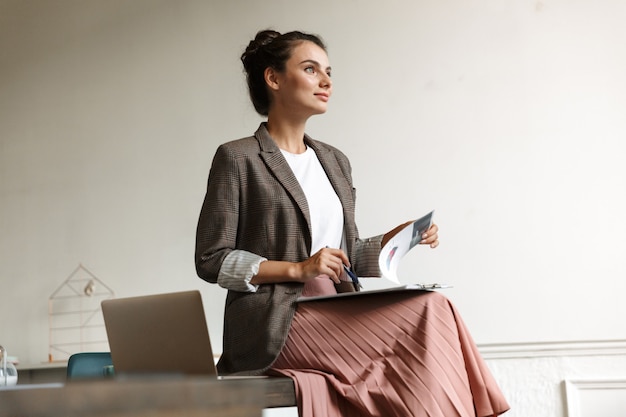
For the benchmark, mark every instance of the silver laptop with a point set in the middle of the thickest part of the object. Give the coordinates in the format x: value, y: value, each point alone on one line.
x: 162, y: 333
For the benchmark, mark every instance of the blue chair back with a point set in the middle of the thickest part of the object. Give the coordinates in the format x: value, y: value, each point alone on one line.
x: 87, y: 365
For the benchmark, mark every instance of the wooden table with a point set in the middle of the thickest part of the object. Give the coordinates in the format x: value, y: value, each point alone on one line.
x: 145, y: 397
x: 279, y: 391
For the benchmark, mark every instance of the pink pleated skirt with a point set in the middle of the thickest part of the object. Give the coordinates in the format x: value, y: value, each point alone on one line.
x: 391, y: 354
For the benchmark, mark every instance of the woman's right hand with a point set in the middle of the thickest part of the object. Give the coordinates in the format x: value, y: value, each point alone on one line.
x: 326, y: 261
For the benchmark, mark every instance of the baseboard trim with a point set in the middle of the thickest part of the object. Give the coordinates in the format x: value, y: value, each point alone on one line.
x: 551, y: 349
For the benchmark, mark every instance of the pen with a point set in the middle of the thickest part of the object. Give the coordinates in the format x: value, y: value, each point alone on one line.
x: 353, y: 277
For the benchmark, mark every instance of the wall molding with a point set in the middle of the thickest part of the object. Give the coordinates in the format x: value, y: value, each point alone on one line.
x: 572, y: 390
x: 551, y: 349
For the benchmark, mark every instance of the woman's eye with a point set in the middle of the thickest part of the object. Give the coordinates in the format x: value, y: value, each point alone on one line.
x: 310, y: 70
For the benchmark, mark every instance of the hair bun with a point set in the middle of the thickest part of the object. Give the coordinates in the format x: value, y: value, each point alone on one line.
x: 265, y: 37
x: 256, y: 45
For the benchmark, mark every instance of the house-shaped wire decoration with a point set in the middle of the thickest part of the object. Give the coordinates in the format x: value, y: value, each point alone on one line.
x: 75, y: 316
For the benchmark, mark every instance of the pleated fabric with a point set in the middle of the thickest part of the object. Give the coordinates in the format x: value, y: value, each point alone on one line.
x: 388, y: 354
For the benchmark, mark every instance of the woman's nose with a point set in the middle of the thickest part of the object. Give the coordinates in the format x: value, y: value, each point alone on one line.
x: 325, y: 81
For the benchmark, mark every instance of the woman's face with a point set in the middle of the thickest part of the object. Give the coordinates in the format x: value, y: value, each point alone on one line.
x: 304, y: 87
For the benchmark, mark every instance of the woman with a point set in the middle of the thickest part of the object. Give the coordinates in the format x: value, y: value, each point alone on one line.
x: 278, y: 222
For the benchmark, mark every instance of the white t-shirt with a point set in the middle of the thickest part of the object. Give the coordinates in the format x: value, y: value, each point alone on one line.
x: 324, y: 205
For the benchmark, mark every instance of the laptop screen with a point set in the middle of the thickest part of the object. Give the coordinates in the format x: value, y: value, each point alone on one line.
x: 162, y: 333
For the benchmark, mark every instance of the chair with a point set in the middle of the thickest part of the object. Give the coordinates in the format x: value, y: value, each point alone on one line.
x: 88, y: 365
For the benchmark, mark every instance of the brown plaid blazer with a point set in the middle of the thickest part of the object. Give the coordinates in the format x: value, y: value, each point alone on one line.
x: 254, y: 203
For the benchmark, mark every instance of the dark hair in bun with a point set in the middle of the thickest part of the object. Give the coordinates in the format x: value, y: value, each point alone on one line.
x: 270, y: 49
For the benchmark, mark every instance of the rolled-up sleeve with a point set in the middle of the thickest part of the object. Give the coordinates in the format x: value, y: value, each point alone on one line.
x: 367, y: 252
x: 237, y: 270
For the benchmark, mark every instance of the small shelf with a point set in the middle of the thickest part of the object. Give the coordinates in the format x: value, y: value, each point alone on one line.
x: 75, y: 316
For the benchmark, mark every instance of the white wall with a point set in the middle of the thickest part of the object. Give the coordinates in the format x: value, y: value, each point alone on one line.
x: 504, y: 117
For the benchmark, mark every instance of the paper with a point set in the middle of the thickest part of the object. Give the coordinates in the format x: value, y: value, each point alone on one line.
x: 391, y: 254
x: 402, y: 242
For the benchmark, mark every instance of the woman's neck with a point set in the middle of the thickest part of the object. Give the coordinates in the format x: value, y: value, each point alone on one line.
x: 288, y: 135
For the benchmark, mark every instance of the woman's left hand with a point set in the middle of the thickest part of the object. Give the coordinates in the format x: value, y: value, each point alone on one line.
x: 431, y: 237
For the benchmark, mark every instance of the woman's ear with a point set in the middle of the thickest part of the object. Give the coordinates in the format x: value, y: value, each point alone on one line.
x: 271, y: 78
